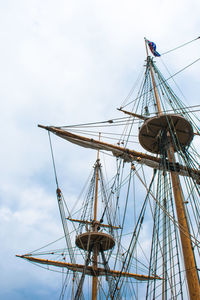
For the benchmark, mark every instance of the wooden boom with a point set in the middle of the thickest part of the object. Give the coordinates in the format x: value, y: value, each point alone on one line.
x: 89, y: 269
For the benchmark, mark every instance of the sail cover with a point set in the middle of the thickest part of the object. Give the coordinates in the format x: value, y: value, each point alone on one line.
x: 126, y: 154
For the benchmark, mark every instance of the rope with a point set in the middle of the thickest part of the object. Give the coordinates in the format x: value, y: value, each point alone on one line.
x: 157, y: 85
x: 183, y: 69
x: 180, y: 46
x: 53, y: 160
x: 135, y: 234
x: 32, y: 252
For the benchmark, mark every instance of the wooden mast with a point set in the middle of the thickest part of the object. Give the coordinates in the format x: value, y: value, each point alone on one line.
x: 130, y: 155
x: 153, y: 81
x: 189, y: 259
x: 95, y: 248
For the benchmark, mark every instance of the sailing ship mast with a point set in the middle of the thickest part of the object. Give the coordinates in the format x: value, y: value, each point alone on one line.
x: 188, y: 254
x: 94, y: 242
x: 167, y: 136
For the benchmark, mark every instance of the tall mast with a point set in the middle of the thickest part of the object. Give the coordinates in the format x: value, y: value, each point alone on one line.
x: 168, y: 137
x: 95, y: 249
x: 188, y: 254
x: 96, y: 187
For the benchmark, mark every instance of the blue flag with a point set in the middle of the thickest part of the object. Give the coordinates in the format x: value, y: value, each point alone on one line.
x: 152, y: 47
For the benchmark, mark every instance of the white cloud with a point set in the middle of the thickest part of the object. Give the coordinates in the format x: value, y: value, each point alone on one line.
x: 70, y: 62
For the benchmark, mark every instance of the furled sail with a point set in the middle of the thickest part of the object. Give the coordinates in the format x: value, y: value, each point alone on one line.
x: 128, y: 155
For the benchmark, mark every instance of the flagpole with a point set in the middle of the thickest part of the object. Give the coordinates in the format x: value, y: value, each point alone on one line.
x: 145, y: 40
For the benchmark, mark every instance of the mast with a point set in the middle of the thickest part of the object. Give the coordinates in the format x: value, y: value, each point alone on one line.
x: 93, y: 241
x: 95, y: 249
x: 167, y: 137
x: 188, y: 254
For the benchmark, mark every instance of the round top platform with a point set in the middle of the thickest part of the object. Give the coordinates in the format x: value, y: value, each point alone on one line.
x: 87, y: 240
x: 176, y: 125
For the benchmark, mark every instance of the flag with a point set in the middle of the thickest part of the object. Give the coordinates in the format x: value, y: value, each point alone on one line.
x: 152, y: 47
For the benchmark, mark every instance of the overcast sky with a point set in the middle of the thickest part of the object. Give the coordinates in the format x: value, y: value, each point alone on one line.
x: 64, y: 62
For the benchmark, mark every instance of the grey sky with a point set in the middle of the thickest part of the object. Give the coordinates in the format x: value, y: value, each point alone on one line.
x: 64, y: 62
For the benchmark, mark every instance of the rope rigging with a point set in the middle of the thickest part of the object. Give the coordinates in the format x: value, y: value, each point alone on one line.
x: 133, y: 227
x: 187, y: 43
x: 166, y: 80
